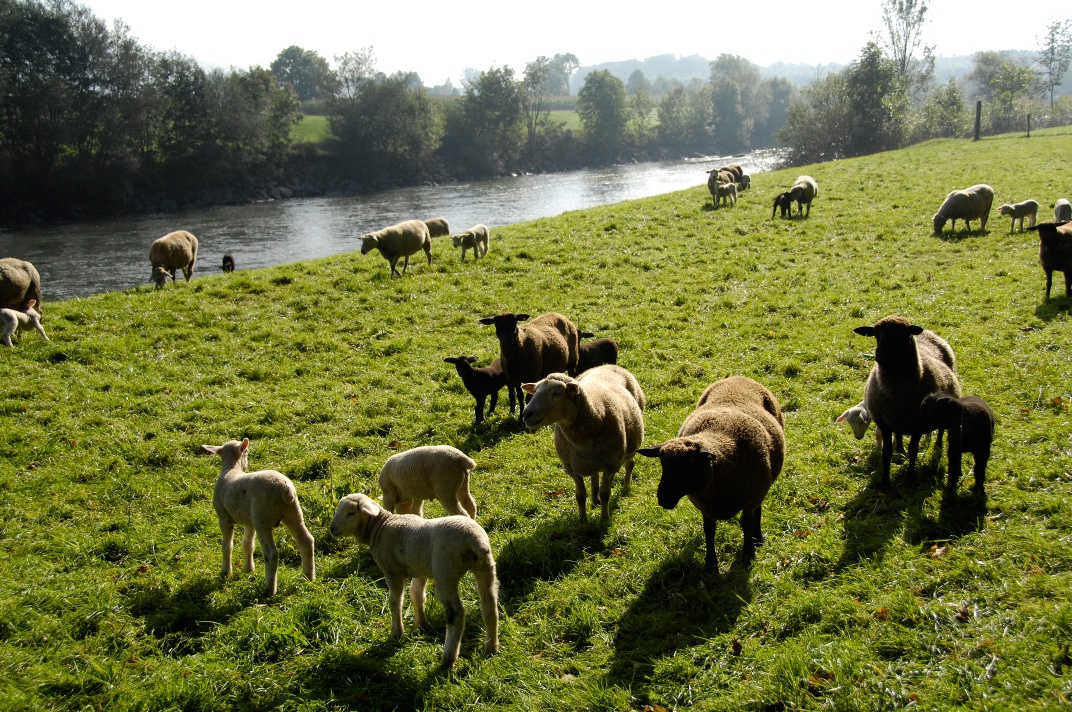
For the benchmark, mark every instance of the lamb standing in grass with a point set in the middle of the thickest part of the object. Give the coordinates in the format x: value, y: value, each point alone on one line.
x: 727, y: 194
x: 970, y: 424
x: 482, y: 382
x: 431, y: 472
x: 727, y: 454
x: 443, y: 549
x: 1019, y: 211
x: 1062, y: 210
x: 399, y: 241
x: 13, y: 321
x: 599, y: 424
x: 259, y: 501
x: 783, y: 202
x: 475, y: 238
x: 967, y: 205
x: 19, y: 283
x: 1055, y: 252
x: 175, y: 250
x: 528, y: 352
x: 599, y: 352
x: 910, y: 362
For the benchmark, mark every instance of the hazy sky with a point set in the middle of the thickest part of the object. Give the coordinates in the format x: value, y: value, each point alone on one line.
x: 440, y: 39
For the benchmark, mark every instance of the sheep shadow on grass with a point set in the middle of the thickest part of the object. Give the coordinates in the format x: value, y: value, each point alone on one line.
x: 182, y: 615
x: 1048, y: 311
x: 960, y: 235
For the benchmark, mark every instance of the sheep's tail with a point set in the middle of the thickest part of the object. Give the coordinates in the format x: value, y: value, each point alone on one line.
x: 487, y: 585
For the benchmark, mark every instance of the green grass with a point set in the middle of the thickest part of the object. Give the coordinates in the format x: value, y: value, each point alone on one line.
x: 571, y: 120
x: 311, y: 129
x: 110, y: 595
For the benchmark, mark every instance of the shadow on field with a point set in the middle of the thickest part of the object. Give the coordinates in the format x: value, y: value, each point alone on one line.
x: 680, y: 605
x: 962, y: 234
x: 1048, y: 311
x: 184, y: 614
x: 490, y: 433
x: 962, y: 512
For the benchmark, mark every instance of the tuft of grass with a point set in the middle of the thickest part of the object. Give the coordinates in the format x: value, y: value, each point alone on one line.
x: 110, y: 595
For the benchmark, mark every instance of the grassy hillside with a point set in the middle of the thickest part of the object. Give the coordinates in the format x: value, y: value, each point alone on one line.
x: 110, y: 594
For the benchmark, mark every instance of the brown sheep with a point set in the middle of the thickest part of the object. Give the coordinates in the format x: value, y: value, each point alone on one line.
x: 19, y: 283
x: 1055, y: 252
x: 529, y: 352
x: 398, y: 241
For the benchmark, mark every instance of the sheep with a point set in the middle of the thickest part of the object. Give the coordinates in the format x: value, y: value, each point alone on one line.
x: 727, y: 454
x: 484, y: 382
x: 910, y: 362
x: 599, y: 424
x: 1019, y: 211
x: 258, y: 501
x: 443, y: 549
x: 1055, y: 252
x: 716, y: 177
x: 175, y: 250
x: 785, y: 203
x: 744, y: 183
x: 529, y: 352
x: 13, y: 321
x: 727, y: 194
x: 19, y: 283
x: 1062, y: 210
x: 433, y: 471
x: 475, y: 238
x: 858, y: 419
x: 598, y: 352
x: 398, y: 241
x: 735, y: 170
x: 967, y: 205
x: 228, y: 263
x: 437, y: 227
x: 970, y: 424
x: 804, y: 191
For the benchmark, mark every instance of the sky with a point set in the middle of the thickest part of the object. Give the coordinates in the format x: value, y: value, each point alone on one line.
x: 440, y: 39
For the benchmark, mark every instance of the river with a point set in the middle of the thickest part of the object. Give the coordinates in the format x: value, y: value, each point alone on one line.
x: 86, y: 258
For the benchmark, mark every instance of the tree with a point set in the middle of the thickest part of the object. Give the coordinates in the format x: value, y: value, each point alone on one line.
x: 484, y: 133
x: 562, y: 66
x: 776, y: 94
x: 601, y: 106
x: 903, y: 22
x: 637, y: 82
x: 735, y: 108
x: 1055, y: 54
x: 1003, y: 84
x: 640, y: 107
x: 819, y: 123
x: 537, y: 87
x: 306, y: 71
x: 943, y: 114
x: 877, y: 103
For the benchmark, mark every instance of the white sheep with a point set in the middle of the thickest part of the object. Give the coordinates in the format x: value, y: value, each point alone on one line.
x: 259, y: 501
x: 437, y: 227
x: 804, y: 190
x: 599, y: 424
x: 1019, y: 211
x: 858, y: 419
x: 405, y: 546
x: 13, y: 321
x: 1062, y: 210
x: 398, y: 241
x: 175, y: 250
x: 967, y: 205
x: 19, y: 283
x: 727, y: 194
x: 431, y: 472
x: 475, y: 238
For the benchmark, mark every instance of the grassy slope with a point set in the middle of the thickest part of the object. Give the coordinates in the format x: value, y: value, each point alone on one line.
x: 109, y: 586
x: 311, y: 129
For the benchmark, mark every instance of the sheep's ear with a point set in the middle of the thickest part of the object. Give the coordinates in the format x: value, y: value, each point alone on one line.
x: 450, y: 359
x: 865, y: 330
x: 915, y: 330
x: 653, y: 451
x: 214, y: 449
x: 529, y: 388
x: 841, y: 418
x: 488, y: 320
x: 573, y: 388
x: 245, y: 444
x: 470, y: 359
x: 30, y: 304
x: 368, y: 506
x: 521, y: 317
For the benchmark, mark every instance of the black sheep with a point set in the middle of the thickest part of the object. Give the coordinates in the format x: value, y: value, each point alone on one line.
x: 1055, y: 252
x: 970, y: 424
x: 484, y: 382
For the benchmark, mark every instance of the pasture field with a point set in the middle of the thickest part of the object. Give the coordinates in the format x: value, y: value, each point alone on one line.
x: 110, y: 593
x: 311, y: 129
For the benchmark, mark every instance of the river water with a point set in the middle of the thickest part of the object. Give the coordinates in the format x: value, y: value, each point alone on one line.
x: 85, y: 258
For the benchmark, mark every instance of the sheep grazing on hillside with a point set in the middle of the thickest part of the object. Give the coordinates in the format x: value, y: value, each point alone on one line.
x: 399, y: 241
x: 228, y: 263
x: 1062, y: 210
x: 599, y: 352
x: 529, y: 352
x: 727, y: 454
x: 910, y: 362
x: 783, y: 202
x: 175, y: 250
x: 19, y: 284
x: 259, y: 501
x: 727, y: 194
x: 1055, y: 252
x: 969, y: 423
x: 437, y: 227
x: 475, y: 238
x: 804, y: 190
x: 967, y: 205
x: 444, y: 549
x: 599, y: 424
x: 744, y: 183
x: 1018, y: 211
x: 482, y: 382
x: 858, y: 419
x: 13, y: 321
x: 735, y: 170
x: 438, y: 472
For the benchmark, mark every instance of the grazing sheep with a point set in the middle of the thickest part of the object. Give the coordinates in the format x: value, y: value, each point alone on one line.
x: 475, y: 238
x: 1062, y: 210
x: 259, y: 501
x: 1055, y: 252
x: 970, y: 424
x: 529, y: 352
x: 910, y: 362
x: 599, y: 352
x: 967, y: 205
x: 484, y: 382
x: 19, y: 283
x: 175, y: 250
x: 715, y: 178
x: 431, y: 472
x: 727, y: 454
x: 443, y: 549
x: 1019, y: 211
x: 727, y: 194
x: 744, y: 183
x: 804, y: 191
x: 599, y: 424
x: 785, y: 202
x: 437, y: 227
x: 735, y: 170
x: 858, y: 419
x: 13, y: 321
x: 399, y: 241
x: 228, y: 262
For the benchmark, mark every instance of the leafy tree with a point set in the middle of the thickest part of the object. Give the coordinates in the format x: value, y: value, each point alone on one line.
x: 819, y: 123
x: 306, y: 71
x: 776, y: 95
x: 1055, y: 54
x: 876, y: 102
x: 903, y: 22
x: 601, y: 106
x: 641, y: 106
x: 1003, y: 85
x: 562, y: 67
x: 486, y: 133
x: 943, y: 114
x: 735, y: 104
x: 537, y: 87
x: 637, y: 82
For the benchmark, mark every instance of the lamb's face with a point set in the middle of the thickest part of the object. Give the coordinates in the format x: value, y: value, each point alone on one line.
x: 457, y: 240
x: 352, y: 515
x: 369, y: 243
x: 160, y: 276
x: 552, y: 402
x: 938, y: 410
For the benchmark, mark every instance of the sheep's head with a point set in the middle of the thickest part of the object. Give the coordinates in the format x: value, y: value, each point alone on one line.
x: 552, y: 401
x: 858, y: 419
x: 896, y: 344
x: 687, y: 467
x: 353, y: 515
x: 939, y: 410
x: 231, y: 452
x: 160, y: 276
x: 1005, y: 209
x: 505, y: 324
x: 369, y: 243
x: 457, y: 240
x: 939, y: 222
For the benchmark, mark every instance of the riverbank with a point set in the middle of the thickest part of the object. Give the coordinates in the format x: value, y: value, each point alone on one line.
x: 110, y: 594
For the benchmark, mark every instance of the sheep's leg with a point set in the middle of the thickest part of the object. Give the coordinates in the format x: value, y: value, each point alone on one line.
x: 479, y: 411
x: 982, y: 456
x: 418, y: 594
x: 248, y: 532
x: 1068, y: 284
x: 428, y: 250
x: 627, y: 478
x: 390, y: 501
x: 913, y: 450
x: 604, y: 492
x: 710, y: 557
x: 488, y: 588
x: 227, y: 527
x: 395, y: 585
x: 887, y: 453
x: 1049, y: 284
x: 582, y: 496
x: 304, y: 540
x: 405, y: 264
x: 271, y: 559
x: 447, y: 593
x: 494, y: 401
x: 466, y: 497
x: 393, y: 262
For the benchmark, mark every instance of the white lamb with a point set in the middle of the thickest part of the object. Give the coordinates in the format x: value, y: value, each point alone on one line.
x: 1018, y: 211
x: 727, y: 194
x: 858, y: 419
x: 259, y: 501
x: 1062, y: 210
x: 13, y: 321
x: 175, y: 250
x: 405, y: 546
x: 431, y: 472
x: 399, y: 241
x: 475, y: 238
